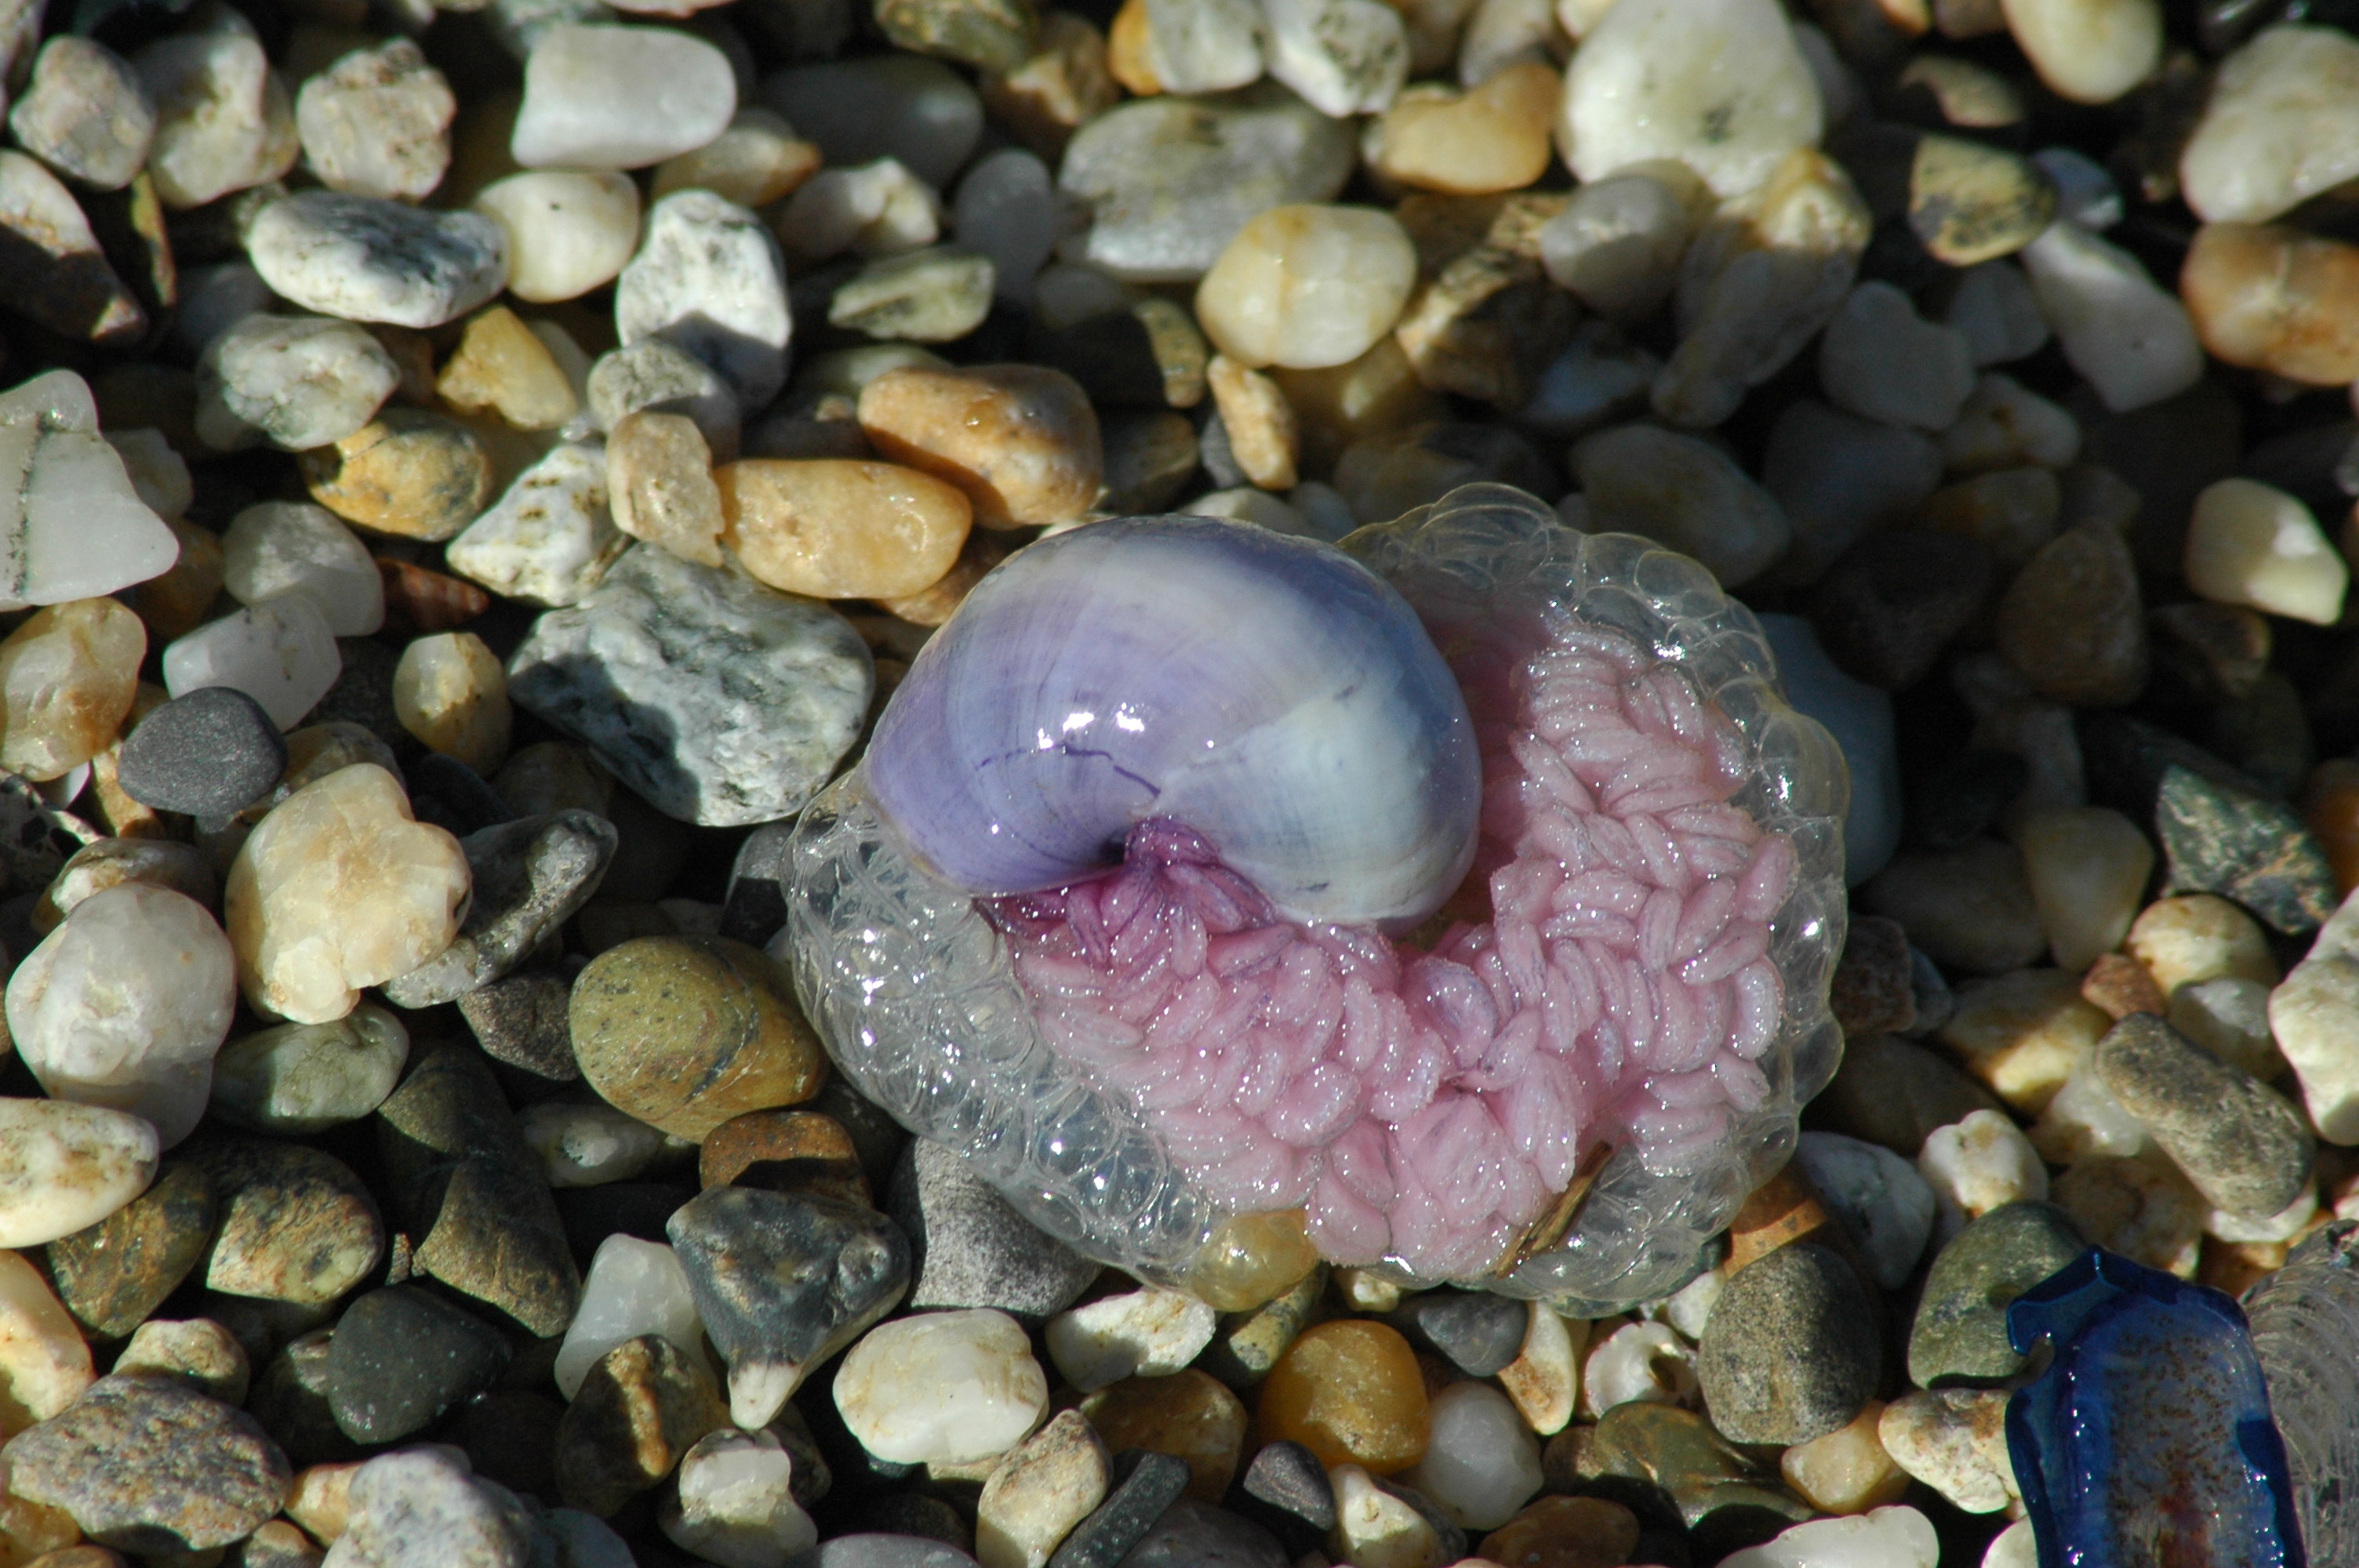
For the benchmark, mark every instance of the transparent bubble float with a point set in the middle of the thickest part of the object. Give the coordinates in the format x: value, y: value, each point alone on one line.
x: 1459, y: 901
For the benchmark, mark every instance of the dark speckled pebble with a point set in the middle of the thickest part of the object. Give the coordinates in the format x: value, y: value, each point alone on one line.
x: 401, y: 1357
x: 209, y: 753
x: 1478, y: 1331
x: 1139, y: 1499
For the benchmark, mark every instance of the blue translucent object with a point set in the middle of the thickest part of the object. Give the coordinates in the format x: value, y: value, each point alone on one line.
x: 2147, y: 1442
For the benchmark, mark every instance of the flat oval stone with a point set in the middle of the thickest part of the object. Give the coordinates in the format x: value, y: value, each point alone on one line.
x: 835, y: 529
x: 569, y: 231
x: 72, y: 1165
x: 609, y: 97
x: 783, y: 1281
x: 2246, y: 1148
x: 113, y: 1274
x: 401, y: 1357
x: 150, y: 1465
x: 1308, y: 287
x: 1022, y: 441
x: 211, y: 753
x: 299, y: 1079
x: 87, y: 655
x: 367, y: 259
x: 944, y: 1388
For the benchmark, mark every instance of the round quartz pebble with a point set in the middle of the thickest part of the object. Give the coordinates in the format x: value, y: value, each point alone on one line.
x: 942, y: 1387
x: 293, y: 547
x: 1308, y: 287
x: 620, y: 97
x: 1143, y: 1333
x: 85, y: 114
x: 733, y: 1501
x: 222, y: 121
x: 1893, y: 1537
x: 124, y: 1005
x: 1343, y: 56
x: 2271, y: 297
x: 2134, y: 342
x: 451, y: 692
x: 296, y: 381
x: 337, y: 889
x: 44, y: 1361
x: 69, y: 1166
x: 2280, y: 124
x: 79, y: 529
x: 2091, y: 51
x: 569, y: 231
x: 278, y: 651
x: 2254, y: 544
x: 551, y: 538
x: 709, y: 277
x: 1717, y: 84
x: 67, y: 677
x: 370, y: 260
x: 588, y: 1145
x: 633, y: 1287
x: 376, y: 122
x: 1483, y: 1463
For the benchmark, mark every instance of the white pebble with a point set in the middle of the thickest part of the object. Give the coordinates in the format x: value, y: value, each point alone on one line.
x: 71, y: 1167
x: 73, y: 526
x: 296, y: 381
x: 550, y: 538
x: 1006, y: 207
x: 1374, y: 1528
x: 709, y: 278
x: 2017, y: 1546
x: 2229, y: 1016
x: 567, y: 232
x: 1690, y: 1307
x: 1976, y: 1165
x: 370, y: 260
x: 1308, y: 287
x: 1481, y: 1464
x: 1149, y: 1333
x: 158, y: 475
x: 1202, y: 46
x: 2254, y: 544
x: 616, y: 97
x: 1717, y: 84
x: 2091, y: 51
x: 2280, y: 124
x: 1886, y: 1204
x: 125, y: 1004
x: 85, y: 114
x: 633, y: 1287
x: 733, y: 1503
x: 942, y: 1387
x: 223, y: 119
x: 1639, y: 1363
x: 293, y: 547
x: 1882, y: 360
x: 2314, y: 1015
x: 876, y: 209
x: 1617, y: 243
x: 1342, y: 56
x: 1895, y: 1537
x: 2132, y: 339
x: 587, y: 1145
x: 377, y: 122
x: 278, y: 651
x: 2005, y: 425
x: 2085, y: 192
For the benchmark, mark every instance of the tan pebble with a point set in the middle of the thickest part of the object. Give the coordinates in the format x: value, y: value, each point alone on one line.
x: 1062, y: 87
x: 177, y: 604
x: 660, y: 484
x: 2141, y: 1208
x: 1847, y: 1470
x: 2199, y: 936
x: 1375, y: 395
x: 1351, y: 1391
x: 932, y: 606
x: 419, y: 599
x: 1544, y: 1380
x: 196, y: 1350
x: 1487, y: 327
x: 2088, y: 868
x: 321, y: 1498
x: 1493, y: 138
x: 2072, y: 623
x: 1563, y: 1532
x: 408, y: 471
x: 501, y: 366
x: 834, y: 529
x: 1187, y: 1415
x: 1308, y: 287
x: 2271, y: 297
x: 2091, y: 51
x: 1251, y: 1259
x: 70, y: 1166
x: 112, y: 809
x: 2117, y: 986
x: 67, y: 678
x: 451, y: 692
x: 339, y: 888
x: 44, y: 1363
x: 44, y: 1537
x: 783, y: 1151
x: 1021, y: 440
x: 1259, y: 422
x: 1039, y: 1491
x: 757, y: 160
x: 2023, y: 1033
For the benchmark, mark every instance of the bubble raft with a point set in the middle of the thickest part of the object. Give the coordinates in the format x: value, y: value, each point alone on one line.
x: 1660, y: 845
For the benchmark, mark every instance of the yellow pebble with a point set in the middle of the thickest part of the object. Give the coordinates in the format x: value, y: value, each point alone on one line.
x: 1351, y: 1392
x: 449, y: 691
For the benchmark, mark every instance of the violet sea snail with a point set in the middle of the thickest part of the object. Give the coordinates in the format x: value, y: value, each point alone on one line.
x: 1152, y: 896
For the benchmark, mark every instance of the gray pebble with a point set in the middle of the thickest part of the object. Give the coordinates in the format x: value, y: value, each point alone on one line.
x: 1191, y: 1535
x: 530, y: 877
x: 209, y: 753
x: 873, y: 1550
x: 1960, y: 1326
x: 2246, y: 1148
x: 970, y: 1248
x: 367, y: 259
x: 1791, y: 1352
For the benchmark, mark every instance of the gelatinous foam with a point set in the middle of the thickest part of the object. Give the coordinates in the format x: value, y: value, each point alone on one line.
x: 1430, y: 1105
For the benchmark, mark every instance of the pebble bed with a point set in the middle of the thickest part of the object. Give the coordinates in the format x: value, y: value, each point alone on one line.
x: 477, y: 473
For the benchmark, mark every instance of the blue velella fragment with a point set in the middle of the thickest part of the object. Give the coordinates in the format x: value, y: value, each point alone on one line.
x: 2147, y: 1442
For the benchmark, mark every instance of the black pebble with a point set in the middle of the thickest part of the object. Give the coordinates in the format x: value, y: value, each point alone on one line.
x: 400, y: 1357
x: 1479, y: 1332
x: 209, y: 753
x: 1156, y: 1481
x: 1285, y: 1491
x: 755, y: 904
x: 458, y: 787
